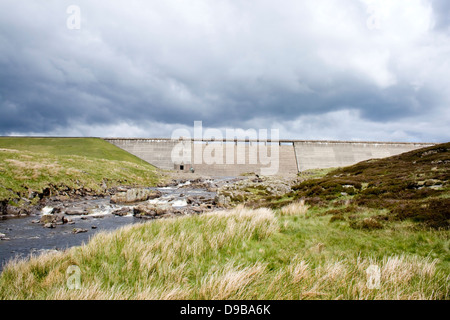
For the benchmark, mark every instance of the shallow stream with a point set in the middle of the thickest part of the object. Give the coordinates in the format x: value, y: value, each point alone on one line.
x: 25, y: 236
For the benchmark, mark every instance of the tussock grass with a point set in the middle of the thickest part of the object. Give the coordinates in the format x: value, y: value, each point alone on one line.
x: 295, y: 208
x: 238, y: 254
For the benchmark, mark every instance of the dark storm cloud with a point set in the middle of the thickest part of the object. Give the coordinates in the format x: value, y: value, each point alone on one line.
x: 227, y: 63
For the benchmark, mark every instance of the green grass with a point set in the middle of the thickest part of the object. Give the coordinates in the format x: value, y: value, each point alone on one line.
x: 95, y: 148
x: 62, y: 165
x: 411, y: 186
x: 315, y: 173
x: 242, y: 254
x: 320, y: 247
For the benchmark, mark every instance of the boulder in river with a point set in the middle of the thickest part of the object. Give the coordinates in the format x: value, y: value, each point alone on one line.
x: 78, y: 230
x: 122, y: 211
x: 76, y: 211
x: 148, y: 211
x: 152, y: 210
x: 135, y: 195
x: 54, y: 219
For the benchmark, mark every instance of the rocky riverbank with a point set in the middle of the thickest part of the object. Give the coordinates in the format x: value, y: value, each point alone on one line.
x: 254, y: 190
x: 58, y: 205
x: 59, y: 221
x: 174, y: 198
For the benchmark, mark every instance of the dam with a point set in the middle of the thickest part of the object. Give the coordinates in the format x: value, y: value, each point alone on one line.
x: 235, y: 157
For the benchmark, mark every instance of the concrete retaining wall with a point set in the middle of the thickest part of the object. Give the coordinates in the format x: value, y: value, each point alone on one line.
x: 329, y: 154
x: 232, y: 158
x: 154, y: 151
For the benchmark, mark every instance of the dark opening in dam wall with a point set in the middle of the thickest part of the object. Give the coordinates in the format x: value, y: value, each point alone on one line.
x: 234, y: 157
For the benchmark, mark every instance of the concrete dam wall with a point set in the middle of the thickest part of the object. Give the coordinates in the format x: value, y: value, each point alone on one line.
x: 232, y: 158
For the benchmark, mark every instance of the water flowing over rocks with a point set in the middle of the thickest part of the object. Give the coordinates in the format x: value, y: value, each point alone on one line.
x: 176, y: 198
x: 76, y: 211
x: 48, y: 223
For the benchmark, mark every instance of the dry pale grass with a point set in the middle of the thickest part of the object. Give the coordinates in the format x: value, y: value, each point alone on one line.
x: 230, y: 282
x: 180, y: 259
x: 121, y: 292
x: 152, y: 261
x: 399, y: 269
x: 242, y: 223
x: 401, y: 277
x: 299, y: 271
x: 295, y: 208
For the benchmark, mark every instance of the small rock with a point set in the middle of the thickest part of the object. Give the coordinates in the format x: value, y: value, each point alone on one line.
x: 78, y: 230
x: 31, y: 194
x: 122, y: 211
x: 147, y: 211
x: 49, y: 225
x: 76, y: 212
x: 47, y: 218
x: 94, y: 227
x: 2, y: 235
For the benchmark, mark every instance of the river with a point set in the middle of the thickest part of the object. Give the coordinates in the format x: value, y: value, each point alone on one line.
x: 25, y: 236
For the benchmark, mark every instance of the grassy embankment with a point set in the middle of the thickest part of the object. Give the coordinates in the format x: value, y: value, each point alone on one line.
x: 297, y: 252
x: 58, y: 165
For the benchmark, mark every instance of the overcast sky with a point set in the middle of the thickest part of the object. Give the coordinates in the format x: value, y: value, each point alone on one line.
x: 323, y: 69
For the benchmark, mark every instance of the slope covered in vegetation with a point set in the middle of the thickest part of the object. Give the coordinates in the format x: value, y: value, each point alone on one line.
x: 322, y: 241
x: 34, y: 167
x: 414, y: 186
